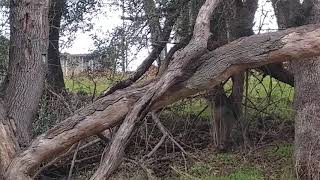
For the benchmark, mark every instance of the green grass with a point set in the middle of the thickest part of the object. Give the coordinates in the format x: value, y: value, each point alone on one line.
x: 250, y: 173
x: 226, y: 157
x: 283, y: 151
x: 228, y: 165
x: 202, y: 171
x: 273, y: 162
x: 86, y: 85
x: 270, y: 97
x: 266, y: 97
x: 196, y: 106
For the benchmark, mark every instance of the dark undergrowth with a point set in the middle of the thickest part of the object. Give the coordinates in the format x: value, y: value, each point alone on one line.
x: 266, y: 155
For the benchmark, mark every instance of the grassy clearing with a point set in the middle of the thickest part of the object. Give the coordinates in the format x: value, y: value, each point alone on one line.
x: 87, y: 85
x: 266, y: 163
x: 282, y: 150
x: 269, y: 97
x: 191, y: 107
x: 266, y: 98
x: 82, y: 84
x: 243, y: 174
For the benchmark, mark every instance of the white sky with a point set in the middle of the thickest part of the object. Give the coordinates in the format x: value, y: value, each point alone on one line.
x: 102, y: 23
x: 106, y: 22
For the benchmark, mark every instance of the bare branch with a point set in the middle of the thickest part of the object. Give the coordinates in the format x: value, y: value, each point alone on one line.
x: 289, y: 45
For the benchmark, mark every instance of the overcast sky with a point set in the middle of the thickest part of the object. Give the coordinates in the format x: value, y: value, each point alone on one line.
x: 107, y: 21
x: 110, y: 18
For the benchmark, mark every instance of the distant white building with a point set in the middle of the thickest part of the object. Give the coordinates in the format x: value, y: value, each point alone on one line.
x: 74, y: 64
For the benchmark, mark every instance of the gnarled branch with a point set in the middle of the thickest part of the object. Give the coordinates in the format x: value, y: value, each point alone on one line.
x: 204, y: 73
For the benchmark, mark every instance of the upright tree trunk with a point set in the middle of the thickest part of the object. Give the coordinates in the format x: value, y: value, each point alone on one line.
x: 55, y: 74
x: 307, y: 100
x: 238, y: 20
x: 223, y: 118
x: 154, y: 25
x: 23, y: 88
x: 307, y: 94
x: 27, y: 66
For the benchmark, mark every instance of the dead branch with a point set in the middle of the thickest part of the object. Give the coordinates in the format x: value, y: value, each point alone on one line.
x: 165, y: 132
x: 66, y: 154
x: 163, y: 138
x: 73, y: 160
x: 171, y: 53
x: 147, y: 171
x: 53, y: 161
x: 176, y: 72
x: 203, y: 73
x: 145, y: 65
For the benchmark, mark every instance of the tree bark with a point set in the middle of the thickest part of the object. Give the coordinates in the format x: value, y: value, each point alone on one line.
x: 27, y: 66
x: 8, y: 144
x: 23, y: 87
x: 166, y: 61
x: 184, y: 77
x: 307, y: 145
x: 222, y: 118
x: 238, y: 19
x: 55, y: 74
x: 289, y: 13
x: 307, y: 82
x: 176, y: 72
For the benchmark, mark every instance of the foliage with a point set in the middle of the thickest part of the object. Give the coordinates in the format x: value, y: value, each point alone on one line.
x: 4, y: 55
x: 4, y: 3
x: 77, y: 15
x: 119, y: 47
x: 115, y: 47
x: 4, y: 17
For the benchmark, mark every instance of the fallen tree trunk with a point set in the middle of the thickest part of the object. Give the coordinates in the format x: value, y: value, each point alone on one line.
x: 179, y: 70
x: 204, y: 73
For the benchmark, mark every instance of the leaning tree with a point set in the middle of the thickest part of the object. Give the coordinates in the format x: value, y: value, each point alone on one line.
x: 193, y: 69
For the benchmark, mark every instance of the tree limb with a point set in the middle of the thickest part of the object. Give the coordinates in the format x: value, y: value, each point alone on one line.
x: 157, y: 49
x: 204, y: 73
